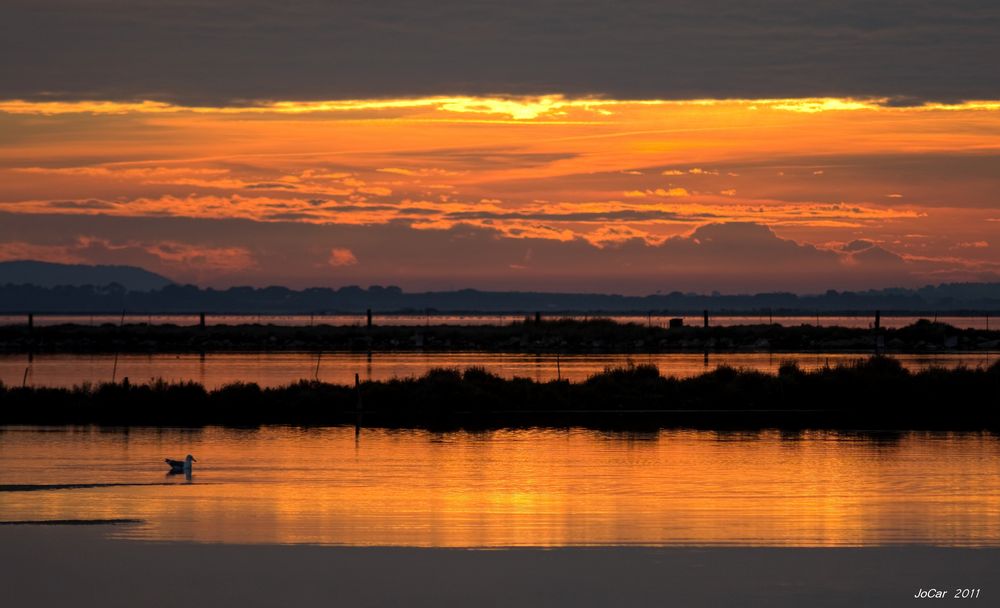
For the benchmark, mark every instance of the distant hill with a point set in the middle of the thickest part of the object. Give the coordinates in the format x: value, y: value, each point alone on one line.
x: 48, y: 274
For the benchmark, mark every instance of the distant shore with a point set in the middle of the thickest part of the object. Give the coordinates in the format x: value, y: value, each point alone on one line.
x: 877, y: 393
x: 548, y: 336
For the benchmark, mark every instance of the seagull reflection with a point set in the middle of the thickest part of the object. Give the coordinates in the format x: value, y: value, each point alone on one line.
x: 172, y: 475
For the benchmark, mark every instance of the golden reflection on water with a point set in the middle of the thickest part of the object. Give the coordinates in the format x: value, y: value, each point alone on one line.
x: 515, y: 487
x: 281, y: 368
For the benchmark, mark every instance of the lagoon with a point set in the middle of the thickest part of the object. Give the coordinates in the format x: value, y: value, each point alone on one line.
x: 511, y: 488
x: 213, y: 370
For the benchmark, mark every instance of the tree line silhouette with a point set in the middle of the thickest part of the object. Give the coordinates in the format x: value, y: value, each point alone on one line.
x: 189, y: 299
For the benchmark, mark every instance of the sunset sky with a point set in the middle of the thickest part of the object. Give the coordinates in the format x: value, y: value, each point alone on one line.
x: 631, y: 147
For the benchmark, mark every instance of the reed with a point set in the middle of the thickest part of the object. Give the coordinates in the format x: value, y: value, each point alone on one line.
x: 876, y: 392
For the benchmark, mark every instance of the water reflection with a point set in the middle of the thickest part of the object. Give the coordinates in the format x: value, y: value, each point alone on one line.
x: 278, y: 368
x: 517, y: 487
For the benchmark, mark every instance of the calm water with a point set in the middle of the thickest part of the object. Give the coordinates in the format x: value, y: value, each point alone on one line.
x: 515, y: 488
x: 977, y: 322
x: 275, y: 369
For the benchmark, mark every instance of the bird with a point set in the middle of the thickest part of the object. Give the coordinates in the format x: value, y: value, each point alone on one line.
x: 180, y: 466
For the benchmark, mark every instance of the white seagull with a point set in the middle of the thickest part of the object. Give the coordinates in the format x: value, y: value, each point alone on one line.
x: 181, y: 466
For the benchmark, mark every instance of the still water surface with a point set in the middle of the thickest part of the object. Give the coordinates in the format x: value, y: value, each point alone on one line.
x: 280, y: 368
x: 514, y: 488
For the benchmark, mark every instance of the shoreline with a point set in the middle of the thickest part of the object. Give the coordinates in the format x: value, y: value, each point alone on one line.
x: 543, y: 336
x: 95, y: 570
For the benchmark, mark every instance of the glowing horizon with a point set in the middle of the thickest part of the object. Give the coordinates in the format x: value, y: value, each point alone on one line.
x: 867, y: 190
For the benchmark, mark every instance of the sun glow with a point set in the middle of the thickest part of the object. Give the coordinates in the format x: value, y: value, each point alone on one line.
x: 568, y: 170
x: 516, y: 108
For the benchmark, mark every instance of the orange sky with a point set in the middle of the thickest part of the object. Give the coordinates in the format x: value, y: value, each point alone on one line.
x: 539, y: 193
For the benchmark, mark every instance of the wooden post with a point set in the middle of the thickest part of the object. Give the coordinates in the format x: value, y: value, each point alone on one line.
x: 31, y: 322
x: 706, y: 318
x: 369, y: 318
x: 27, y: 370
x: 201, y: 321
x: 538, y: 318
x: 357, y: 388
x: 878, y: 335
x: 357, y: 415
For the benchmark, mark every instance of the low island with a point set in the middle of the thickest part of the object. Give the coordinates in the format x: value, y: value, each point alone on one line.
x: 872, y: 393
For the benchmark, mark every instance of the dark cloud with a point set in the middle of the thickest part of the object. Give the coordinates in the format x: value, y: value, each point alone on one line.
x: 625, y: 215
x: 967, y: 179
x: 878, y: 257
x: 217, y: 51
x: 858, y: 245
x: 271, y: 186
x: 505, y: 157
x: 730, y: 257
x: 87, y: 204
x: 293, y: 216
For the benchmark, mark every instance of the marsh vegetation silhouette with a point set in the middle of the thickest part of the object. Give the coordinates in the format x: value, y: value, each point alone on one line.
x: 877, y: 392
